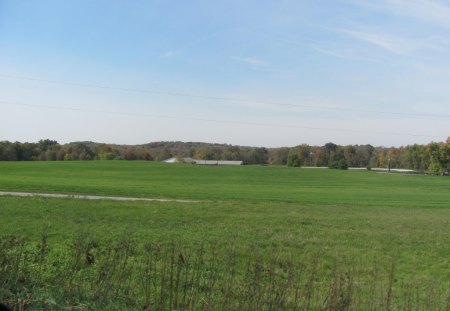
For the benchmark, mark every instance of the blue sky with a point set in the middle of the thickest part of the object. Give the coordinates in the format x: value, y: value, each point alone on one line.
x: 261, y: 73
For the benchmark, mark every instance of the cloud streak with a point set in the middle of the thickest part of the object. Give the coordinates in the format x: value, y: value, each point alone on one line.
x: 249, y: 60
x: 325, y: 51
x: 170, y: 53
x: 390, y: 43
x: 189, y: 45
x: 432, y: 11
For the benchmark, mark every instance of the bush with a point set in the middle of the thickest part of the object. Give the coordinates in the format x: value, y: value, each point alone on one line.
x: 340, y: 165
x: 294, y: 160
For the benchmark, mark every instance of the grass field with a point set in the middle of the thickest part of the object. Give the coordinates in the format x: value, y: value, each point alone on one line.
x: 261, y: 238
x: 243, y: 183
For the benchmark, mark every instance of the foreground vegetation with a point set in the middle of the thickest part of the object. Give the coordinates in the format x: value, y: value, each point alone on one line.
x: 260, y: 238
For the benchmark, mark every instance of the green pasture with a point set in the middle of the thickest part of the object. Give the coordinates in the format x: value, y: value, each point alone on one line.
x: 364, y: 221
x: 242, y: 183
x: 419, y: 238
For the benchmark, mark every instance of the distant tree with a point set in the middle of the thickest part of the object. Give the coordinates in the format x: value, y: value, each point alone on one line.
x: 164, y: 154
x: 300, y: 155
x: 82, y: 151
x: 350, y: 155
x: 363, y: 155
x: 330, y: 150
x: 130, y: 154
x: 339, y: 164
x: 45, y: 144
x: 205, y: 153
x: 258, y: 156
x: 26, y: 151
x: 217, y: 153
x: 105, y: 152
x: 394, y: 157
x: 147, y: 155
x: 337, y: 160
x: 60, y: 153
x: 294, y: 160
x: 279, y: 156
x: 232, y: 153
x: 191, y: 152
x: 50, y: 155
x: 318, y: 157
x: 2, y: 151
x: 439, y: 157
x: 304, y: 151
x: 8, y: 152
x: 29, y: 151
x: 382, y: 160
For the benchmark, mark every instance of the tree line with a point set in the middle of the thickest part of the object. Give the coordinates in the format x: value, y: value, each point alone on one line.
x: 433, y: 157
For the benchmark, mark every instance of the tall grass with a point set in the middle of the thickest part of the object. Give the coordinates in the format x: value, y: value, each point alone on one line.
x: 124, y: 274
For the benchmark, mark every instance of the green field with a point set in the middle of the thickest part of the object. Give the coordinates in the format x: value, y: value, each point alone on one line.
x: 320, y: 239
x: 242, y: 183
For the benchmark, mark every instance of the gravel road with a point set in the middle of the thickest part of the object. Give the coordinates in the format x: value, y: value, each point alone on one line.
x: 88, y: 197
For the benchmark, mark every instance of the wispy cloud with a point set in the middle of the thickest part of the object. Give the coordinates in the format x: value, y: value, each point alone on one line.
x: 170, y: 53
x: 325, y: 51
x: 327, y: 48
x: 189, y: 45
x: 313, y: 46
x: 434, y: 11
x: 443, y: 70
x: 249, y: 60
x: 390, y: 43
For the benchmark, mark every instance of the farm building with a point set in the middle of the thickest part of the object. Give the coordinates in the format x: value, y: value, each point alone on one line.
x: 202, y: 162
x: 217, y: 162
x: 179, y: 160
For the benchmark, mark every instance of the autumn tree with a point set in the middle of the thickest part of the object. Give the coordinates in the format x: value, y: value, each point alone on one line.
x: 257, y: 156
x: 439, y: 157
x: 350, y: 155
x: 329, y: 151
x: 232, y: 153
x: 279, y: 156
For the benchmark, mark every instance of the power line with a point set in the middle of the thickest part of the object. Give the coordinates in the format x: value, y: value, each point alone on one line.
x: 215, y: 120
x: 227, y: 99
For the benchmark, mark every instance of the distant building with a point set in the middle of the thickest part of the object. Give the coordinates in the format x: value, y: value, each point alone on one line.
x: 202, y: 162
x: 180, y: 160
x: 217, y: 162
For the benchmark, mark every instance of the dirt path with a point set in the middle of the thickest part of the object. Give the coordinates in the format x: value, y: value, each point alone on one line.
x: 88, y: 197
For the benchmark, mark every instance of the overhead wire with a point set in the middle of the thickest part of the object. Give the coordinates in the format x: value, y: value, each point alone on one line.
x: 2, y: 102
x: 219, y: 98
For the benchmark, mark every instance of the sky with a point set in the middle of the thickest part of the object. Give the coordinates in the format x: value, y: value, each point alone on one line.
x: 254, y: 72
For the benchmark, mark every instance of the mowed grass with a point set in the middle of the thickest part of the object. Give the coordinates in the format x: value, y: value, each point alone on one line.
x: 361, y: 221
x: 243, y: 183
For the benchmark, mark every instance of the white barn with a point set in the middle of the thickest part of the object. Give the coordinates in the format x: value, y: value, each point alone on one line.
x: 217, y: 162
x: 179, y: 160
x: 202, y: 162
